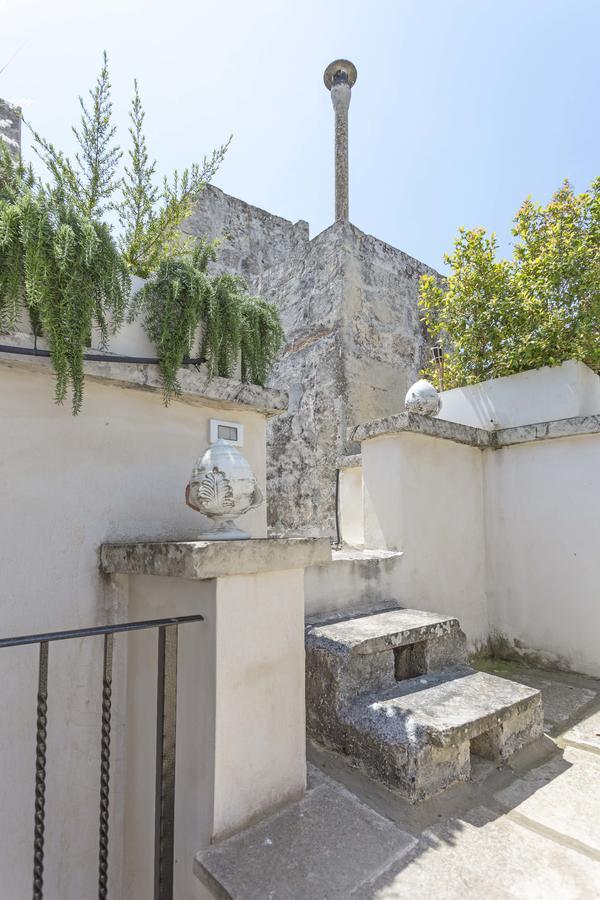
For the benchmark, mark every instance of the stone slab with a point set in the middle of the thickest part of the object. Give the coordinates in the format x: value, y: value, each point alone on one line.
x: 471, y: 435
x: 544, y: 431
x: 562, y: 795
x: 562, y: 700
x: 384, y: 630
x: 585, y: 732
x: 196, y: 386
x: 324, y: 847
x: 418, y: 424
x: 198, y: 560
x: 445, y: 707
x: 483, y: 854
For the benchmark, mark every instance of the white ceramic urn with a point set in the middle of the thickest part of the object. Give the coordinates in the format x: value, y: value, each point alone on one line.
x: 222, y: 486
x: 423, y: 398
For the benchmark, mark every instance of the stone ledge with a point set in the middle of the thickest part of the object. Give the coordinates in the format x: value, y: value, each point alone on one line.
x: 196, y: 386
x: 353, y: 461
x: 197, y: 560
x: 544, y: 431
x: 417, y: 424
x: 413, y: 423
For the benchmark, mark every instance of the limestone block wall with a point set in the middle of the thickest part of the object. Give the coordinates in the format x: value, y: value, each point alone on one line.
x: 252, y: 239
x: 354, y: 344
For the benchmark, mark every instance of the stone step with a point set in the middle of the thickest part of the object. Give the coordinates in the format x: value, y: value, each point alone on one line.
x: 367, y: 653
x: 392, y: 691
x: 419, y: 737
x: 385, y: 630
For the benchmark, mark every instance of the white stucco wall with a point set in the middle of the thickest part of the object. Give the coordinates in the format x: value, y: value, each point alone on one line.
x: 506, y: 539
x: 241, y: 743
x: 543, y: 549
x: 539, y: 395
x: 67, y: 485
x: 350, y: 506
x: 424, y: 496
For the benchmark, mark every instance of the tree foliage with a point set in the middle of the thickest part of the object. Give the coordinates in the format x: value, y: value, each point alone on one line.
x: 496, y: 317
x: 61, y: 265
x: 149, y: 217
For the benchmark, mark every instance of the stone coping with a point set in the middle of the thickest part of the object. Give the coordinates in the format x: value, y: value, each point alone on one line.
x: 417, y: 424
x: 196, y: 386
x: 544, y: 431
x: 475, y: 437
x: 197, y: 560
x: 354, y: 460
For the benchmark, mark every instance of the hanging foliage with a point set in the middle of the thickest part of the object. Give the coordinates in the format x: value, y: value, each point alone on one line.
x: 63, y: 267
x: 182, y: 297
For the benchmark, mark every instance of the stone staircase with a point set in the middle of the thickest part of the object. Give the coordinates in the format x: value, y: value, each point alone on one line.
x: 393, y: 691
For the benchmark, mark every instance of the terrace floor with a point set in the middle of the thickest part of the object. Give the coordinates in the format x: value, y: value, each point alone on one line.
x: 528, y: 830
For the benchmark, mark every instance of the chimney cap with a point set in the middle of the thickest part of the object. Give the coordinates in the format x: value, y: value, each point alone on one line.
x: 343, y: 66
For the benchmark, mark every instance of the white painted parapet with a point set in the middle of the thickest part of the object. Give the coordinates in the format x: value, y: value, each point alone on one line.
x: 540, y: 395
x: 497, y: 526
x: 241, y: 714
x: 423, y: 496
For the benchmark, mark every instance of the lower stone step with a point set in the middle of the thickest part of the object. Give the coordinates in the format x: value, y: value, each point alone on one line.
x: 419, y: 736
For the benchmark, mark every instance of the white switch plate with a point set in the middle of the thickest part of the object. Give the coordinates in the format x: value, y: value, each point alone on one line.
x: 231, y: 432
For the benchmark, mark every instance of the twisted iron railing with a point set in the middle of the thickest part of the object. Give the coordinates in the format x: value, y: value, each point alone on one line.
x: 166, y: 733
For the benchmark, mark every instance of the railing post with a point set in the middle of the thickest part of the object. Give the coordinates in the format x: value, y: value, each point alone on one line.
x: 166, y: 722
x: 40, y: 773
x: 105, y: 767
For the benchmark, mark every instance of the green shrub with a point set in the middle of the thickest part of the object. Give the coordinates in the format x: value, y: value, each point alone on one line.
x: 497, y: 317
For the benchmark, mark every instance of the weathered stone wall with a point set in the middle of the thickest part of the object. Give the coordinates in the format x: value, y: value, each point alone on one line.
x: 253, y: 239
x: 10, y: 127
x: 354, y: 343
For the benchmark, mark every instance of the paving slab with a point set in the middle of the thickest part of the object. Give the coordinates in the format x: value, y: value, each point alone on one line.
x: 482, y: 854
x: 565, y: 695
x: 323, y: 847
x: 585, y: 732
x: 562, y: 795
x: 561, y: 701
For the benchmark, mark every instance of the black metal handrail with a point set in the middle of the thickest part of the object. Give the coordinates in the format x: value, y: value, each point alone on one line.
x: 166, y: 734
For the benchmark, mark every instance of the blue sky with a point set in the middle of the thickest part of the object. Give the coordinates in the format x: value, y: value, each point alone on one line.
x: 461, y: 109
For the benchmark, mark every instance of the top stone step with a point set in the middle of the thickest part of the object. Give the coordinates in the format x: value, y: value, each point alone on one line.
x: 382, y: 631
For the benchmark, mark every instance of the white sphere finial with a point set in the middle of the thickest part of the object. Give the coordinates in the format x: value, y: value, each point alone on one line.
x: 423, y: 398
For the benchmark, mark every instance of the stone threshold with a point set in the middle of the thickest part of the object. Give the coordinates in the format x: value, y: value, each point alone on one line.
x: 197, y: 560
x: 197, y: 387
x: 412, y: 423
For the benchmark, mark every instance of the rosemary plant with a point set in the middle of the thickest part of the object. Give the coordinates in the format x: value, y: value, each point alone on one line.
x: 182, y: 297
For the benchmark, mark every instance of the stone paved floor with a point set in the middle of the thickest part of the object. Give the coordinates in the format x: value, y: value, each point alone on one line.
x: 530, y: 830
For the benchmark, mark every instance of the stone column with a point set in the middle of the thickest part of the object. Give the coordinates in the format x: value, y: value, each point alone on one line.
x: 339, y: 77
